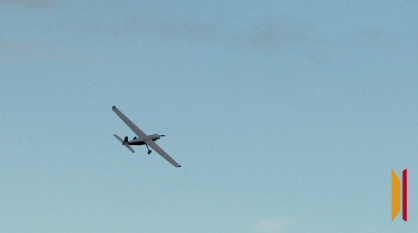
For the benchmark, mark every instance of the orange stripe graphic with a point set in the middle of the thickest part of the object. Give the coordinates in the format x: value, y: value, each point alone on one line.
x: 396, y: 195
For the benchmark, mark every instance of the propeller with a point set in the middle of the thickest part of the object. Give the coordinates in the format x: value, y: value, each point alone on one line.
x: 162, y: 135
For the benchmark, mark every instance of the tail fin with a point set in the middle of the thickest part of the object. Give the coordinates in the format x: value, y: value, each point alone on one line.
x: 124, y: 142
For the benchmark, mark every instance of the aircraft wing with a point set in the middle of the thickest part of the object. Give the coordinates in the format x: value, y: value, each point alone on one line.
x: 160, y: 151
x: 131, y: 125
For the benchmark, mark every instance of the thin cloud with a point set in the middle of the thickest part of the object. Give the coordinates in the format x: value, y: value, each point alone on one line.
x: 280, y: 32
x: 370, y: 36
x: 264, y: 34
x: 269, y: 226
x: 32, y: 50
x: 11, y: 46
x: 169, y: 29
x: 374, y: 37
x: 210, y: 26
x: 27, y: 3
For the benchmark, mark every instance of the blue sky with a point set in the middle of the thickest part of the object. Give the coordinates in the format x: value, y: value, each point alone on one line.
x: 286, y: 116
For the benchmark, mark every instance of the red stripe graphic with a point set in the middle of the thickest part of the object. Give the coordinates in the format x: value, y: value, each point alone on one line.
x: 404, y: 199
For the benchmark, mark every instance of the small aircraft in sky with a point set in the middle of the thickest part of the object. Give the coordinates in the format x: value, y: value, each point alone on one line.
x: 142, y: 139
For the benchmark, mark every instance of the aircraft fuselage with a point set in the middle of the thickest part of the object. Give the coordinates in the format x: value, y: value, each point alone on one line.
x: 141, y: 140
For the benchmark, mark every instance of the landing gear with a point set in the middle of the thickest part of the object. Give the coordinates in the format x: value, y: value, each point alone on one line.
x: 149, y: 151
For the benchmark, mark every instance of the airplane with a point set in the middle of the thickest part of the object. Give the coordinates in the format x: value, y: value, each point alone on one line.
x: 142, y: 139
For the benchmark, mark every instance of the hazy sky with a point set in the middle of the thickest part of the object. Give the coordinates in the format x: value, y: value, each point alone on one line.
x: 286, y: 116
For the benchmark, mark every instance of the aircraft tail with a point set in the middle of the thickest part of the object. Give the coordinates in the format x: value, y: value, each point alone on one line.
x: 124, y: 142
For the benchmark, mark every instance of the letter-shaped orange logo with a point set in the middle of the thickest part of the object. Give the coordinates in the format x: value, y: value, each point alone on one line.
x: 396, y: 195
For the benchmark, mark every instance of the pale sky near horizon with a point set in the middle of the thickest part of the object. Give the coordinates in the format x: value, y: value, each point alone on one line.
x: 286, y: 116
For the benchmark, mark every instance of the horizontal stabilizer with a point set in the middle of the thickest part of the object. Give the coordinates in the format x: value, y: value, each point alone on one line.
x: 123, y: 143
